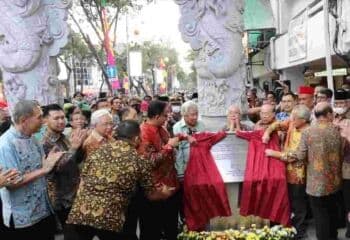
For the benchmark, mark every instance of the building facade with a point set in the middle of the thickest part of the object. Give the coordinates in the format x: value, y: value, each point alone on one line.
x: 297, y: 51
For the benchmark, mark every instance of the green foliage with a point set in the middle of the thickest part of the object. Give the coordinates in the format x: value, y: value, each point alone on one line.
x: 152, y: 53
x: 191, y: 81
x: 76, y: 47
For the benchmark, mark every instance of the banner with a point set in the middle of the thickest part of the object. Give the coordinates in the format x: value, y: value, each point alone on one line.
x: 135, y: 64
x: 297, y: 38
x: 111, y: 64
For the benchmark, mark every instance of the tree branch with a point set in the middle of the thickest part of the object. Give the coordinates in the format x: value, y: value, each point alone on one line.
x: 100, y: 16
x: 69, y: 72
x: 94, y: 52
x: 90, y: 20
x: 115, y: 20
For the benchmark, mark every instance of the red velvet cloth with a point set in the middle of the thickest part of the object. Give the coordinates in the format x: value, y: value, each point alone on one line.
x: 205, y: 194
x: 264, y: 191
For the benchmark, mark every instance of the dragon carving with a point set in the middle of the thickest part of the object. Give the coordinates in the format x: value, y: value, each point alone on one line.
x: 32, y: 32
x: 214, y: 29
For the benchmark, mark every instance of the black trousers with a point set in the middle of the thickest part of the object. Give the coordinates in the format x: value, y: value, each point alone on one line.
x: 298, y: 200
x: 159, y: 218
x: 132, y: 215
x: 324, y: 210
x: 63, y: 215
x: 61, y: 218
x: 3, y: 228
x: 80, y: 232
x: 43, y: 230
x: 346, y: 195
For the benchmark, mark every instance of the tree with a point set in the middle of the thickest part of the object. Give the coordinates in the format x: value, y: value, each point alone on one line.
x: 155, y: 54
x: 192, y: 76
x: 90, y: 12
x: 75, y: 50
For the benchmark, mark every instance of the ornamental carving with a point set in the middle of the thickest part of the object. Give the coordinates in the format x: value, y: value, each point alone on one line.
x: 32, y: 32
x: 214, y: 29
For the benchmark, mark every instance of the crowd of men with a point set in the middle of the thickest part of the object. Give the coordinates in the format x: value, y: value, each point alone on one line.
x: 314, y: 138
x: 98, y: 168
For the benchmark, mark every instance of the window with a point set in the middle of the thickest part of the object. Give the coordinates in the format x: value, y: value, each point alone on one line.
x: 82, y: 72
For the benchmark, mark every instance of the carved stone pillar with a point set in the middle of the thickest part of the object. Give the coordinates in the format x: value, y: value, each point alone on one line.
x: 214, y: 29
x: 32, y: 32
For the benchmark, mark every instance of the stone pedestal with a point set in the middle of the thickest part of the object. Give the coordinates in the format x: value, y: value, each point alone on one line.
x: 32, y: 32
x: 214, y: 30
x: 236, y: 221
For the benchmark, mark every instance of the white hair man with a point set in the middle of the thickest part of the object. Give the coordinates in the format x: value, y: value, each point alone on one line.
x: 189, y: 124
x: 102, y: 128
x: 296, y: 171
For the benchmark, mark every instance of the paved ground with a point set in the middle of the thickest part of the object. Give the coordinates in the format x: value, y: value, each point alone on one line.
x: 311, y: 234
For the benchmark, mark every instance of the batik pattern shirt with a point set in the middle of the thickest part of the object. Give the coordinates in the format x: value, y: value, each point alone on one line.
x: 93, y: 142
x: 282, y: 116
x: 322, y: 147
x: 296, y: 170
x: 346, y: 160
x: 109, y: 176
x: 154, y: 148
x: 63, y: 181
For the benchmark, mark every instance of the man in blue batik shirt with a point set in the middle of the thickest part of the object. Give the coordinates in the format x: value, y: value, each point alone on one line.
x: 26, y: 207
x: 287, y: 104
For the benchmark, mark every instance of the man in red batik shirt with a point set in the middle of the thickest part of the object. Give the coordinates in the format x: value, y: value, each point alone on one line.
x: 158, y: 148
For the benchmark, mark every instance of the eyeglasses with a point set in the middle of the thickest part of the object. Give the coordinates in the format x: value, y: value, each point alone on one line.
x: 107, y: 124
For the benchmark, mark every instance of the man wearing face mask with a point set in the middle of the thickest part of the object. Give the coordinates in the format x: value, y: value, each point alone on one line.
x: 342, y: 116
x: 341, y: 104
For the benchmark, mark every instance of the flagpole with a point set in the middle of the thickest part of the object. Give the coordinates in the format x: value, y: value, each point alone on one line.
x: 328, y: 53
x: 127, y: 45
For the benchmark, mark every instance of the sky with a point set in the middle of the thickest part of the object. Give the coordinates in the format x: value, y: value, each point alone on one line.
x: 157, y: 21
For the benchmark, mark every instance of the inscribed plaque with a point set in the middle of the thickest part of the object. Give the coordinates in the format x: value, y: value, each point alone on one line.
x: 230, y: 158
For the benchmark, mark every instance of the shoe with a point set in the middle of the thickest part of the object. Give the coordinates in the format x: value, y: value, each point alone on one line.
x: 347, y: 234
x: 303, y: 236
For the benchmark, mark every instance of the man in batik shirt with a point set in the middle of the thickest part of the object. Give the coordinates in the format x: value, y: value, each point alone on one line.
x: 108, y: 178
x: 342, y: 117
x: 159, y: 148
x: 63, y: 181
x: 296, y: 177
x: 321, y: 147
x: 102, y: 129
x: 287, y: 104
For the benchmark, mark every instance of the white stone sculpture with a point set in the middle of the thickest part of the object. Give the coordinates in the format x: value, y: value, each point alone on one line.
x: 214, y: 28
x: 32, y: 32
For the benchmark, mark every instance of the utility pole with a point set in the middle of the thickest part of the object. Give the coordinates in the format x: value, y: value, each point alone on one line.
x: 153, y: 66
x: 329, y: 69
x: 73, y: 68
x: 127, y: 48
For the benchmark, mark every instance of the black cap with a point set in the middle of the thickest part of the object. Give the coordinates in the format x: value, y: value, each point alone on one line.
x: 341, y: 94
x: 163, y: 98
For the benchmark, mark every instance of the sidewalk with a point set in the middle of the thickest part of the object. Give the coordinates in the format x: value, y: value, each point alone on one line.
x: 311, y: 234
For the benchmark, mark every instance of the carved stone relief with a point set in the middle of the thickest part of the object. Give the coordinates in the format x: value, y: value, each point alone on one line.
x: 32, y: 32
x: 214, y: 28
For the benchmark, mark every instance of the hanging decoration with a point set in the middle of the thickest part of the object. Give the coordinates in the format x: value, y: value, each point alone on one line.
x: 111, y: 67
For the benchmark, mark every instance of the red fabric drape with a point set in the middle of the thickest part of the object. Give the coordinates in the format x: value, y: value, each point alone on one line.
x: 264, y: 191
x: 205, y: 194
